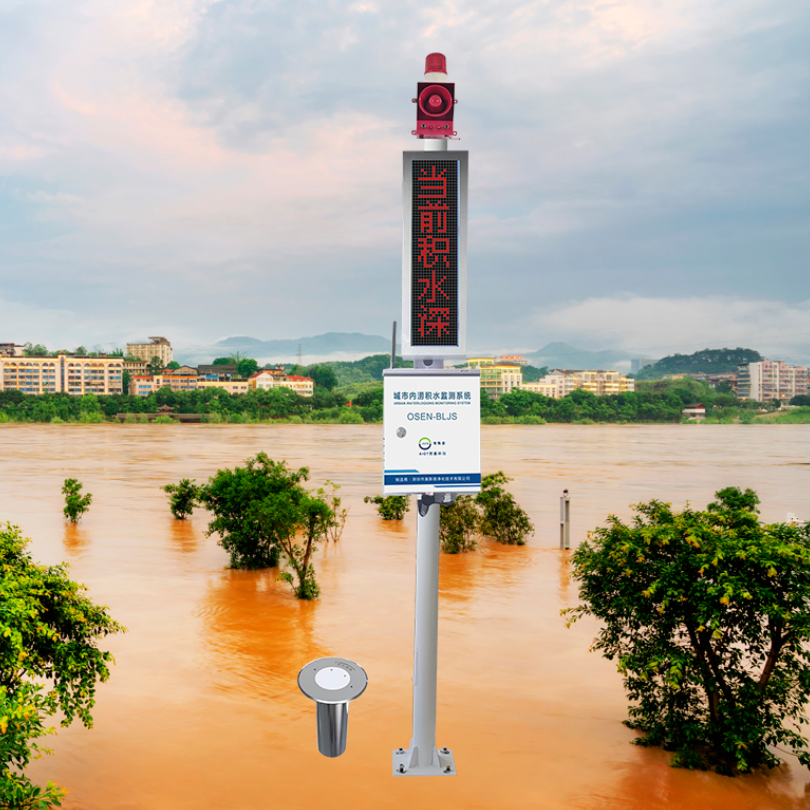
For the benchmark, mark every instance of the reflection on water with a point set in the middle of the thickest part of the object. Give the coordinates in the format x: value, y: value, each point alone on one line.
x: 202, y: 709
x: 75, y: 539
x: 185, y: 536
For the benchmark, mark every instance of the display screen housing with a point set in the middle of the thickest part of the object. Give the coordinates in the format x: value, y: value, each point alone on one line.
x: 434, y: 255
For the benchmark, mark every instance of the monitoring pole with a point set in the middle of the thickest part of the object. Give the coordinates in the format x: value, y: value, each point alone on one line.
x: 565, y: 520
x: 431, y: 414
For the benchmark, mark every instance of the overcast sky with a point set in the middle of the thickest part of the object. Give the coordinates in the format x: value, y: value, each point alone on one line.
x: 639, y: 171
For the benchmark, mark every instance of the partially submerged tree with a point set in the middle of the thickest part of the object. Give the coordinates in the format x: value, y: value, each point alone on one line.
x: 262, y: 511
x: 49, y: 662
x: 235, y: 498
x: 390, y: 507
x: 501, y: 517
x: 329, y: 494
x: 76, y: 504
x: 459, y: 525
x: 492, y: 513
x: 299, y: 511
x: 707, y: 614
x: 183, y: 497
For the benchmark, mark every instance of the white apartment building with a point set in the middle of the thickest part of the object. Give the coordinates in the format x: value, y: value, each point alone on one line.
x: 268, y: 378
x: 561, y: 382
x: 65, y: 372
x: 159, y: 347
x: 769, y: 380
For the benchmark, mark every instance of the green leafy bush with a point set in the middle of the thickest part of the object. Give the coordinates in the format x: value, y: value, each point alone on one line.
x: 351, y: 416
x: 459, y: 525
x: 501, y: 518
x: 49, y: 662
x: 75, y: 503
x: 261, y: 512
x: 391, y: 507
x: 183, y: 497
x: 492, y: 513
x: 707, y: 614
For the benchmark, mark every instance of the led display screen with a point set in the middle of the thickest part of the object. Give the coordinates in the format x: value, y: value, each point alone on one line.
x: 434, y: 252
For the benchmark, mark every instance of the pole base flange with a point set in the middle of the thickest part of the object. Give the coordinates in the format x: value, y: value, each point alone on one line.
x: 442, y: 763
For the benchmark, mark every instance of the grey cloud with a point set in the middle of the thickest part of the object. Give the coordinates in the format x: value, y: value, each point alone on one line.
x: 602, y: 162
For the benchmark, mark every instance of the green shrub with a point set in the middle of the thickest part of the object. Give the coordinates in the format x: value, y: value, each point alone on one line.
x: 164, y: 419
x: 459, y: 524
x: 707, y: 615
x: 391, y: 507
x: 183, y: 497
x: 49, y: 663
x: 75, y: 504
x: 501, y: 517
x: 262, y: 513
x: 531, y: 420
x: 350, y: 416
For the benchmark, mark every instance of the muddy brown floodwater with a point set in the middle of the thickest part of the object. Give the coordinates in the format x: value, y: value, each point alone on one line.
x: 202, y: 709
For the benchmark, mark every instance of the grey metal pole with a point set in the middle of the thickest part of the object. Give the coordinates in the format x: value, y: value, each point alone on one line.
x: 332, y: 720
x: 422, y: 757
x: 426, y: 634
x: 565, y: 520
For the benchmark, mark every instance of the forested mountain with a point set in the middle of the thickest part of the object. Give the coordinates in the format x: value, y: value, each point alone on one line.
x: 708, y: 361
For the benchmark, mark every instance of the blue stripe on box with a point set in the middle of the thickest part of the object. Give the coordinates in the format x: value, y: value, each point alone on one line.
x: 455, y: 479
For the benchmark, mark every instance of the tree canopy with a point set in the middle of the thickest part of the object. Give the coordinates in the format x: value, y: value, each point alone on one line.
x: 707, y: 361
x: 707, y: 615
x: 261, y: 510
x: 49, y: 661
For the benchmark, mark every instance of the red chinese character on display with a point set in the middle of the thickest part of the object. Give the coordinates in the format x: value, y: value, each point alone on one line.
x: 433, y: 287
x: 438, y: 191
x: 432, y: 254
x: 433, y: 250
x: 434, y: 319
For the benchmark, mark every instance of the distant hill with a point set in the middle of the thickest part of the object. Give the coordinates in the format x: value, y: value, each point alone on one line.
x: 708, y: 361
x: 316, y: 348
x: 369, y: 369
x: 561, y: 355
x: 328, y: 343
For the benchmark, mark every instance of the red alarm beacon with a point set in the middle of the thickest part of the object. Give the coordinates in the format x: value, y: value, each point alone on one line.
x: 435, y: 99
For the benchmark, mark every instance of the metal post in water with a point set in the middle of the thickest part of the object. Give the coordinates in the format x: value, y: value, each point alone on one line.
x: 423, y: 758
x: 565, y: 520
x: 332, y: 683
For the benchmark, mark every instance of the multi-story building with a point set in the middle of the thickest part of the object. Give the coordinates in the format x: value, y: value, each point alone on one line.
x: 11, y: 350
x: 547, y: 389
x: 64, y: 372
x: 513, y: 358
x: 497, y: 377
x: 269, y: 378
x: 769, y: 380
x: 184, y: 378
x: 135, y: 366
x: 303, y: 386
x: 159, y: 347
x: 222, y: 371
x: 235, y: 386
x: 178, y: 379
x: 561, y: 382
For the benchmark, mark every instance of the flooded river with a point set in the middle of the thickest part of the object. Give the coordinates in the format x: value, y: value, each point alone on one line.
x: 202, y: 709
